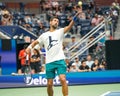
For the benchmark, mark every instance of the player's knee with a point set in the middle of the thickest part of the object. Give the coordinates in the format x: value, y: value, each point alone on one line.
x: 49, y: 84
x: 63, y: 80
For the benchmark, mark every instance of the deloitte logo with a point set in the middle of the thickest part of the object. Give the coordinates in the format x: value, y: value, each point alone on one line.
x: 43, y: 81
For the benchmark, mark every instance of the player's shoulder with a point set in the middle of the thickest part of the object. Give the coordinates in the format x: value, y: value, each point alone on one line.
x: 60, y: 29
x: 47, y: 32
x: 44, y: 34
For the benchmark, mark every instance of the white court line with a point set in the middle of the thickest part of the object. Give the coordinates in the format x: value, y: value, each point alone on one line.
x: 105, y: 93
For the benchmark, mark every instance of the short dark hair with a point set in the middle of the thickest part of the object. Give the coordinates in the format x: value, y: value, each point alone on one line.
x: 53, y: 17
x: 83, y: 61
x: 38, y: 53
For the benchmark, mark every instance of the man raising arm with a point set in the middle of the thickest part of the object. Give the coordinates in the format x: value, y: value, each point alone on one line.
x: 52, y: 41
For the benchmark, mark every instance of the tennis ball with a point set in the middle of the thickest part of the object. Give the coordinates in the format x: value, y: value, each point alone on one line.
x: 80, y: 3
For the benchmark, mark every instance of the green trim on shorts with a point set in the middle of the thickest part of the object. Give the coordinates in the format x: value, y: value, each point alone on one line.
x: 56, y: 67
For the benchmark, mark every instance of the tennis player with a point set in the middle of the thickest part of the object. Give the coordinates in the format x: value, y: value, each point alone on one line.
x: 53, y: 40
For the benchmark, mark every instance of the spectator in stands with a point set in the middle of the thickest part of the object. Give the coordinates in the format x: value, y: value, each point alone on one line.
x: 73, y: 41
x: 89, y: 14
x: 21, y: 22
x: 42, y: 3
x: 68, y: 64
x: 55, y: 5
x: 48, y: 5
x: 104, y: 64
x: 75, y: 65
x: 41, y: 28
x: 91, y: 5
x: 77, y: 62
x: 73, y: 68
x: 22, y: 7
x: 28, y: 23
x: 114, y: 13
x: 35, y: 62
x: 96, y: 20
x: 89, y: 60
x: 81, y: 16
x: 116, y: 5
x: 27, y: 19
x: 34, y: 18
x: 2, y: 5
x: 99, y: 11
x: 95, y: 65
x: 60, y: 11
x: 93, y: 48
x: 69, y: 6
x: 22, y: 58
x: 50, y: 13
x: 84, y: 67
x: 6, y: 17
x: 101, y: 67
x: 73, y: 9
x: 101, y: 44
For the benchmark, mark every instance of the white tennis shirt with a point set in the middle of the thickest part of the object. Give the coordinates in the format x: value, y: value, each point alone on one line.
x: 53, y: 43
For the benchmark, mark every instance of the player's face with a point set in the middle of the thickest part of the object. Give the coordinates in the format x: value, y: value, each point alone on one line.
x: 54, y: 23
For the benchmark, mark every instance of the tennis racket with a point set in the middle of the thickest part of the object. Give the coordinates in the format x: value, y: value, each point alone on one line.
x: 27, y: 71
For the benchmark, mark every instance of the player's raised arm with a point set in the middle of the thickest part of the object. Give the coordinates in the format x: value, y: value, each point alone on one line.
x: 32, y: 45
x: 67, y: 28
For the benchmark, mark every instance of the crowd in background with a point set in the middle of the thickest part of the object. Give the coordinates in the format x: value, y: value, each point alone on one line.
x: 65, y: 12
x: 38, y: 66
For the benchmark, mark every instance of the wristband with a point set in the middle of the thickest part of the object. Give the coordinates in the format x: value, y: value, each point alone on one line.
x: 74, y: 18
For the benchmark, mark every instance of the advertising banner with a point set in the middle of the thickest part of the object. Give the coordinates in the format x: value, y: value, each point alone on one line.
x: 76, y: 78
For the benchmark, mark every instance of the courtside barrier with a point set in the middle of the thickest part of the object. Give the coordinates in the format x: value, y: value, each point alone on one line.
x: 77, y: 78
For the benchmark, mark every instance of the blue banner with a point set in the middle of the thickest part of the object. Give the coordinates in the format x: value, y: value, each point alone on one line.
x: 8, y: 58
x: 76, y: 78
